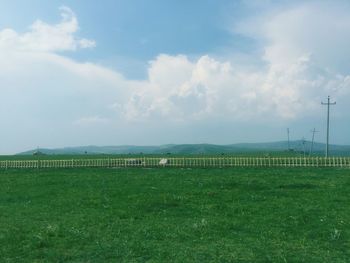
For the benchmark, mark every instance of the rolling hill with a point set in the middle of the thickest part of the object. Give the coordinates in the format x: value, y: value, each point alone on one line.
x: 296, y: 146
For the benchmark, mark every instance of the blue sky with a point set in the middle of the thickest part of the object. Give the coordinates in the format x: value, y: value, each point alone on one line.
x: 130, y: 33
x: 158, y: 72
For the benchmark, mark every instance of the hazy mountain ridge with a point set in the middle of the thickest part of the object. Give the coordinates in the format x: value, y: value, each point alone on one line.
x: 196, y: 148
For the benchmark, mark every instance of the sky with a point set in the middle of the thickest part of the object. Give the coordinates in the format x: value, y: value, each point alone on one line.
x: 152, y: 72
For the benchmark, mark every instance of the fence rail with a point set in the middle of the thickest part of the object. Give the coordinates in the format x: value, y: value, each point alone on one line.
x: 181, y: 162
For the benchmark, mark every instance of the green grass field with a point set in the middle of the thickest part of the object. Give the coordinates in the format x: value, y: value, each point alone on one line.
x: 175, y: 215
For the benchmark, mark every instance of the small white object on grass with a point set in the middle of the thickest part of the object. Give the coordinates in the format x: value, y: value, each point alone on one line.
x: 163, y: 161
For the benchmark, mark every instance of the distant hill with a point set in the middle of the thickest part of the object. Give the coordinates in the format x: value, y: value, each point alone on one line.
x: 282, y: 146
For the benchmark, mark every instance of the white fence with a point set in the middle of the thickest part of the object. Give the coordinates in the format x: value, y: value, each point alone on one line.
x: 181, y: 162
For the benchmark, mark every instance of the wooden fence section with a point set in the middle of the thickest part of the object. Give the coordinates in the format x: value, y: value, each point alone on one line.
x: 181, y: 162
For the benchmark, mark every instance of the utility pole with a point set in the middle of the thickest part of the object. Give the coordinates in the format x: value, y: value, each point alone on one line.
x: 288, y: 139
x: 328, y: 103
x: 312, y: 142
x: 303, y: 143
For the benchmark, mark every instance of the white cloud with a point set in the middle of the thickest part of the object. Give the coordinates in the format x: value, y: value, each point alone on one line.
x: 304, y: 46
x: 320, y: 28
x: 45, y: 37
x: 210, y: 89
x: 178, y: 88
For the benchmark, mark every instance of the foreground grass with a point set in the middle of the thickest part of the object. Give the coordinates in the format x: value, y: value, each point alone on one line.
x: 175, y: 215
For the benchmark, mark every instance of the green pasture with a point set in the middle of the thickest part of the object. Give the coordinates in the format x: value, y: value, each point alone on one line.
x: 175, y: 215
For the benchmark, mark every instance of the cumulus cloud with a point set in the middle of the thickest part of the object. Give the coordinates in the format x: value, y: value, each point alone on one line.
x: 45, y: 37
x: 320, y: 28
x: 304, y: 53
x: 207, y: 89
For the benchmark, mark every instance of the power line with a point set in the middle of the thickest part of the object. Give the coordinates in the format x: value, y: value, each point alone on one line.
x: 328, y: 103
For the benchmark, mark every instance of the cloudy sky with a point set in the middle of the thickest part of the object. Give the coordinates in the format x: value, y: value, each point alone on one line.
x: 151, y: 72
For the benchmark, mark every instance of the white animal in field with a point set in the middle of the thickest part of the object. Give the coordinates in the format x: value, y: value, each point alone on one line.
x: 163, y: 162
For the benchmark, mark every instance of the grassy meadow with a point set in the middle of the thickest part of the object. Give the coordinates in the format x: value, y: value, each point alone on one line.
x: 175, y: 215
